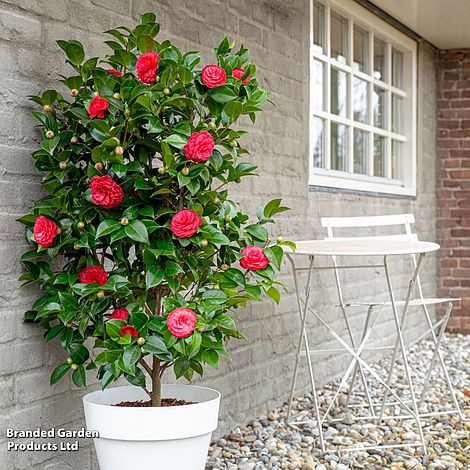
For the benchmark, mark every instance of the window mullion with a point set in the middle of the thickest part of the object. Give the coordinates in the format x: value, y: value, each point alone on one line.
x: 388, y: 106
x: 349, y: 91
x: 370, y: 94
x: 327, y: 139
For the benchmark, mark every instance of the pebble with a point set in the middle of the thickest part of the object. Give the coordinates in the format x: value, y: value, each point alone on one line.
x: 267, y: 443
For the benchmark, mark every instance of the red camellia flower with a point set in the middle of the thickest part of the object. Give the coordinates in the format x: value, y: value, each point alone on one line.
x: 105, y: 192
x: 146, y: 66
x: 181, y: 322
x: 213, y: 75
x: 185, y: 223
x: 93, y: 275
x: 44, y: 231
x: 114, y: 72
x: 119, y: 314
x: 129, y: 330
x: 98, y: 107
x: 238, y: 73
x: 254, y: 258
x: 199, y: 147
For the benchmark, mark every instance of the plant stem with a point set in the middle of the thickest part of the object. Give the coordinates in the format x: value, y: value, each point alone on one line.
x: 156, y: 383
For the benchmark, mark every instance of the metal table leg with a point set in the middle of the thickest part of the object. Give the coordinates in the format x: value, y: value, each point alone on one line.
x: 400, y: 343
x: 304, y: 338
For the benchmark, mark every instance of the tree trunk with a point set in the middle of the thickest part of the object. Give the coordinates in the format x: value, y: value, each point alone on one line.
x: 156, y: 383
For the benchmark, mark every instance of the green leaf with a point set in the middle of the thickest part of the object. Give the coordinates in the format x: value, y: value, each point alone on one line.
x: 138, y: 380
x: 79, y: 377
x: 211, y: 357
x: 232, y: 111
x: 148, y: 18
x: 156, y: 346
x: 185, y: 74
x: 74, y: 51
x: 131, y: 356
x: 145, y: 43
x: 194, y: 343
x: 106, y: 227
x: 273, y: 207
x: 275, y: 254
x: 153, y: 277
x: 79, y: 353
x: 49, y: 145
x: 59, y: 372
x: 258, y: 232
x: 173, y: 268
x: 176, y: 140
x: 274, y: 294
x: 223, y: 94
x: 113, y: 328
x: 215, y: 295
x: 48, y: 97
x: 137, y: 231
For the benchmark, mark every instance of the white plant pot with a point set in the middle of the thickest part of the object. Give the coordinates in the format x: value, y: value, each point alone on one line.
x: 166, y: 438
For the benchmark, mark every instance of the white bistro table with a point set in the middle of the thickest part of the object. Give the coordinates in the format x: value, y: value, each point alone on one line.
x: 377, y: 252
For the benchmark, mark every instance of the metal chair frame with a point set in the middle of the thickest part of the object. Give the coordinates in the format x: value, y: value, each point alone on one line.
x: 377, y: 410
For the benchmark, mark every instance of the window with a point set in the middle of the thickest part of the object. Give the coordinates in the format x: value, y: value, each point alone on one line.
x: 362, y: 101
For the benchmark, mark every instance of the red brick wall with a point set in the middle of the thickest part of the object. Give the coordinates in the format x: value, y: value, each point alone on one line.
x: 453, y: 218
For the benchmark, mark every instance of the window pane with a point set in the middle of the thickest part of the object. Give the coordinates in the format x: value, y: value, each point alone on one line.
x: 338, y: 147
x: 380, y: 60
x: 397, y: 160
x: 318, y: 27
x: 339, y: 100
x: 318, y: 89
x: 397, y: 114
x: 397, y: 68
x: 317, y: 144
x: 378, y: 104
x: 339, y: 38
x: 361, y: 151
x: 361, y: 49
x: 360, y: 100
x: 380, y: 148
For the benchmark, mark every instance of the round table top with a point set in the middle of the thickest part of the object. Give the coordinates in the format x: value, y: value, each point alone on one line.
x: 361, y: 247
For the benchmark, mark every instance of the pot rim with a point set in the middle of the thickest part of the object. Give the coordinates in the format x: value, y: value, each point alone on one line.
x: 88, y: 399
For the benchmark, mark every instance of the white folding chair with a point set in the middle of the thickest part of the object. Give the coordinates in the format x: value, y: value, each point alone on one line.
x: 332, y: 224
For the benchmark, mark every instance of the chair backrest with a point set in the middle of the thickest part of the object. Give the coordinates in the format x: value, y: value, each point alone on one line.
x: 406, y: 220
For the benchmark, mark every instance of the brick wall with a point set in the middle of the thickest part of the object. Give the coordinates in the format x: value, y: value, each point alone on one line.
x: 454, y: 183
x: 276, y: 31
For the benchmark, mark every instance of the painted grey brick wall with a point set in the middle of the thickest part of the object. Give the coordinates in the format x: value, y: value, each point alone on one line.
x: 276, y: 31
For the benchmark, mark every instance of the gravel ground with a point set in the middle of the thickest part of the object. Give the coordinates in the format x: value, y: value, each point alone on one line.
x: 268, y: 443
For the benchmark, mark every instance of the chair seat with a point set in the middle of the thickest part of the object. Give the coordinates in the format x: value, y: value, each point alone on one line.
x: 414, y: 302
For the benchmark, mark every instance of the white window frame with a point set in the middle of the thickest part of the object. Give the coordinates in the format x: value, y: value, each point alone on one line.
x: 321, y: 177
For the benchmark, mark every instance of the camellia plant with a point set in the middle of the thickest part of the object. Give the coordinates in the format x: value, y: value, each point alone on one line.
x: 142, y: 256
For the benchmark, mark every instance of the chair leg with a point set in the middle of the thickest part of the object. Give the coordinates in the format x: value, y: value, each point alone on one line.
x: 438, y: 354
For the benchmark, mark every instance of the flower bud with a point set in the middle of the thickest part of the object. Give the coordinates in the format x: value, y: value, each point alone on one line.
x: 117, y: 96
x: 161, y: 170
x: 74, y: 366
x: 238, y: 180
x: 157, y: 78
x: 99, y: 166
x: 203, y: 243
x: 166, y: 91
x: 279, y: 239
x: 216, y: 200
x: 228, y: 218
x: 100, y: 294
x: 74, y: 140
x: 185, y: 171
x: 69, y: 360
x: 81, y: 225
x: 119, y: 150
x: 76, y: 247
x: 212, y: 125
x: 68, y: 324
x: 47, y: 108
x: 224, y: 267
x: 62, y: 165
x: 124, y: 221
x: 216, y: 286
x: 96, y: 93
x: 74, y: 92
x: 233, y: 143
x: 50, y: 134
x: 141, y: 341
